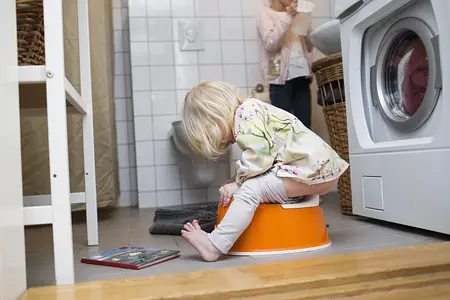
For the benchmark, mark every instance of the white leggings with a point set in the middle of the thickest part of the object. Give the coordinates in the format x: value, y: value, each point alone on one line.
x: 266, y: 188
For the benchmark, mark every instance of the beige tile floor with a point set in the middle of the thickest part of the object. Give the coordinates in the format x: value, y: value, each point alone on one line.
x: 129, y: 226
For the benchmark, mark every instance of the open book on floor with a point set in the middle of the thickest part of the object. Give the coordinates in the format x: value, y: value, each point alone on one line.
x: 132, y: 257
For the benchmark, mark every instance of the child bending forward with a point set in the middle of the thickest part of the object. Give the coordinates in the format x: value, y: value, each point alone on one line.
x: 281, y: 160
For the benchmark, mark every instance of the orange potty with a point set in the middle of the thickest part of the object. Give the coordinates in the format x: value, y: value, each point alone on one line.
x: 282, y: 228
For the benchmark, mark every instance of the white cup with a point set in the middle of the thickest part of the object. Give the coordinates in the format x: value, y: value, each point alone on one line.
x: 305, y: 6
x: 302, y: 19
x: 301, y: 22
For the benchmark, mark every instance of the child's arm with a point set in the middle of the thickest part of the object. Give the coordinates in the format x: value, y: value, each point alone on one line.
x: 254, y: 139
x: 271, y: 33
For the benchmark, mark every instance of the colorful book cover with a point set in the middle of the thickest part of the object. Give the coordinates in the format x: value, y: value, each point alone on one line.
x: 132, y: 257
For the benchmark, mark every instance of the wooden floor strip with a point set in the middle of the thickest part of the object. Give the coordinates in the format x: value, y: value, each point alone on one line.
x: 357, y: 290
x: 401, y: 270
x: 435, y: 292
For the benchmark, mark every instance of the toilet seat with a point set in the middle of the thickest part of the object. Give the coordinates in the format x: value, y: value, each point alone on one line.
x: 309, y: 201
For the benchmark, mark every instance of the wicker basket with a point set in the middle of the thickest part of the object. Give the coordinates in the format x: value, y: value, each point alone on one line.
x: 30, y: 32
x: 330, y: 80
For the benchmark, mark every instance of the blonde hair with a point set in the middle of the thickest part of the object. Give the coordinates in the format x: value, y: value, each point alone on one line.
x: 208, y: 117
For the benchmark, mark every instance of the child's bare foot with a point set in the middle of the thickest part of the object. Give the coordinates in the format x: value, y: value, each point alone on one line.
x: 200, y: 241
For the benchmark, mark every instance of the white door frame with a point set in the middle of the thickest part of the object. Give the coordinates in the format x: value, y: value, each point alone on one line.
x: 12, y: 242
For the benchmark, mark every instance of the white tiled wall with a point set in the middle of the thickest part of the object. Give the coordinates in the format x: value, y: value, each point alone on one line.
x: 124, y: 106
x: 162, y: 74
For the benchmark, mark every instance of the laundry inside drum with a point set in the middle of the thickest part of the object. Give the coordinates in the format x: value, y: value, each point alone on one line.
x: 406, y: 78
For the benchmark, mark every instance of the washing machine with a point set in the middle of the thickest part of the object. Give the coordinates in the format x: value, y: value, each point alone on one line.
x: 396, y: 57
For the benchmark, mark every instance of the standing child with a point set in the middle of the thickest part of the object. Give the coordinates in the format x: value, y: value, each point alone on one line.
x: 281, y: 159
x: 285, y: 61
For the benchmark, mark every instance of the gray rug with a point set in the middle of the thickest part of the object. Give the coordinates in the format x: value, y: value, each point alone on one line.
x: 170, y: 220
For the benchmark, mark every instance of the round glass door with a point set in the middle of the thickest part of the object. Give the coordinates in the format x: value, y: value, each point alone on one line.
x: 407, y: 74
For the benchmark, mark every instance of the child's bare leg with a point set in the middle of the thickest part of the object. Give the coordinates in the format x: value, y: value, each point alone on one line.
x: 236, y: 220
x: 265, y: 188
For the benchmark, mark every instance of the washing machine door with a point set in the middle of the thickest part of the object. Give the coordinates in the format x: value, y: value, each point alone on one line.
x: 406, y: 78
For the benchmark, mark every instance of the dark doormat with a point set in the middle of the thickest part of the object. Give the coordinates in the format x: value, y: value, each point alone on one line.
x: 170, y: 220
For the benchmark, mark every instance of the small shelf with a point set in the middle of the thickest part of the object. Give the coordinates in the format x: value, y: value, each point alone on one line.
x: 38, y: 215
x: 32, y: 92
x: 32, y: 74
x: 40, y: 200
x: 45, y: 90
x: 37, y: 210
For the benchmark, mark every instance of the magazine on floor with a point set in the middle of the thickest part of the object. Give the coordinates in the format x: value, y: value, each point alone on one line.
x: 132, y: 257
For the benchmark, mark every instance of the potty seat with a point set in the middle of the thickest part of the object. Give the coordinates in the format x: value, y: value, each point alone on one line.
x: 282, y: 228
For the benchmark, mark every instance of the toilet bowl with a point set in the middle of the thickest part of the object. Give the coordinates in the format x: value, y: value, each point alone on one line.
x: 196, y: 170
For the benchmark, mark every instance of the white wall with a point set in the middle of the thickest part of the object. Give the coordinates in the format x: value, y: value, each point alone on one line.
x: 162, y: 75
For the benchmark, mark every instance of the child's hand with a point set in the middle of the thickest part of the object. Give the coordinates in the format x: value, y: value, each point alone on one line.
x: 292, y: 8
x: 231, y: 180
x: 226, y: 192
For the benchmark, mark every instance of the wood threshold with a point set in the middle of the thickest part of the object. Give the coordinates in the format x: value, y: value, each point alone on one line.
x: 417, y: 272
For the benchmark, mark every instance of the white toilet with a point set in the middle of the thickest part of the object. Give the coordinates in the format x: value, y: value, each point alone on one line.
x: 196, y: 170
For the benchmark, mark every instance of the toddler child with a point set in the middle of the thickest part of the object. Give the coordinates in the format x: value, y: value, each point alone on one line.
x: 281, y: 159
